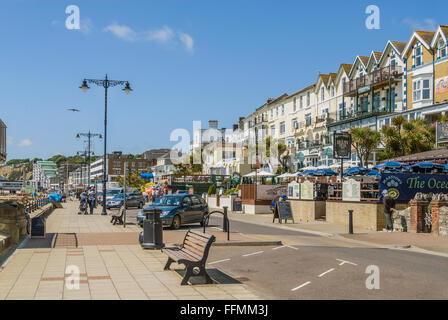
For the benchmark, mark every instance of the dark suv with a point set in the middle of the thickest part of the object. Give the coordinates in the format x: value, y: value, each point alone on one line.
x: 132, y: 200
x: 178, y: 209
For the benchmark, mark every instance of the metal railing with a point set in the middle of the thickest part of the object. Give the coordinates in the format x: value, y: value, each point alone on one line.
x: 372, y: 78
x: 32, y: 205
x: 225, y: 222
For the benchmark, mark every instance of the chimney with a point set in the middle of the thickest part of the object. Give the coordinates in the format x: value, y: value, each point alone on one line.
x: 213, y: 124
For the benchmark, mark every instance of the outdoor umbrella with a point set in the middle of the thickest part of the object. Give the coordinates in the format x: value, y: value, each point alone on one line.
x: 308, y: 168
x: 356, y: 171
x: 389, y: 165
x: 308, y: 173
x: 325, y: 172
x: 373, y: 173
x: 259, y: 174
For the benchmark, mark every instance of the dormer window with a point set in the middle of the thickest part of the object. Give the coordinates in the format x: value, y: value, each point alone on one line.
x: 441, y: 48
x: 332, y: 91
x: 393, y: 61
x: 418, y: 55
x: 322, y: 94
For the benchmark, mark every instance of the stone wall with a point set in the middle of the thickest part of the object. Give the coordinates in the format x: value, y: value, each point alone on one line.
x: 366, y: 215
x: 13, y: 220
x: 443, y: 221
x: 307, y: 210
x: 401, y: 219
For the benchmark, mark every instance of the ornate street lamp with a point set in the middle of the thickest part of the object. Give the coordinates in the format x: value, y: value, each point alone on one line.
x: 105, y: 83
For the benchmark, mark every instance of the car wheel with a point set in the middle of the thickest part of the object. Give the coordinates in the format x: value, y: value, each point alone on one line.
x: 176, y: 223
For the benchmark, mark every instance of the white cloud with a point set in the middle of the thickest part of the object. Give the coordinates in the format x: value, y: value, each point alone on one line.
x: 187, y: 40
x: 164, y: 34
x: 25, y: 143
x: 121, y: 31
x: 427, y: 24
x: 86, y: 26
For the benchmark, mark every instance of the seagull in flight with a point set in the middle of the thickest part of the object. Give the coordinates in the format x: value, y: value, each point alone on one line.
x: 74, y: 110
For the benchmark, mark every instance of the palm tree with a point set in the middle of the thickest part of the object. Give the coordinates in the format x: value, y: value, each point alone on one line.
x: 364, y: 141
x: 405, y: 137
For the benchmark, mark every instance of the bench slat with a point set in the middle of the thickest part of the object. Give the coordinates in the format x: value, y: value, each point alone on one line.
x: 191, y: 253
x: 198, y: 238
x: 196, y: 241
x: 201, y: 234
x: 194, y: 249
x: 177, y: 255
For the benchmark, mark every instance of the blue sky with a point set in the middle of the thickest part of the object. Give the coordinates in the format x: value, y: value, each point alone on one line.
x: 185, y: 59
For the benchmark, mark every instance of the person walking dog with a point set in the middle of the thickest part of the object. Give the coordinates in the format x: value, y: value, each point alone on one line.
x: 389, y: 204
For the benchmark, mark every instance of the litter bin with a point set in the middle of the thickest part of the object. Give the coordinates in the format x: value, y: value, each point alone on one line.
x: 237, y: 205
x: 152, y: 235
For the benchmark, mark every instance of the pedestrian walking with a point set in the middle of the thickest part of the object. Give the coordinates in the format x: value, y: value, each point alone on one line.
x: 91, y: 200
x: 389, y: 204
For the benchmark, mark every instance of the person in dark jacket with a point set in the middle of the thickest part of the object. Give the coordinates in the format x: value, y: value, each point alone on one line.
x: 389, y: 204
x: 91, y: 199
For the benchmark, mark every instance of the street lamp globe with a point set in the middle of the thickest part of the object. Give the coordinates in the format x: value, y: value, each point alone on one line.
x: 84, y: 87
x: 127, y: 89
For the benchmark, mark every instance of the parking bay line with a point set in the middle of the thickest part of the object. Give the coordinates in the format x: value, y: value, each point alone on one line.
x: 285, y: 246
x: 223, y: 260
x: 328, y: 271
x: 301, y: 286
x: 251, y: 254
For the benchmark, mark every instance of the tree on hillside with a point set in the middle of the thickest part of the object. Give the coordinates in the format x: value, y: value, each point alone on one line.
x: 15, y: 175
x: 364, y: 141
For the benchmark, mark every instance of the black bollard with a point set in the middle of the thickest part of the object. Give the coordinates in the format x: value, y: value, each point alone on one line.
x: 224, y: 221
x: 350, y: 221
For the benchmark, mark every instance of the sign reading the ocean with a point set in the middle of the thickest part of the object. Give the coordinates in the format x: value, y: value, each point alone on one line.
x: 351, y: 190
x: 342, y: 145
x: 404, y: 186
x: 307, y: 190
x: 294, y: 190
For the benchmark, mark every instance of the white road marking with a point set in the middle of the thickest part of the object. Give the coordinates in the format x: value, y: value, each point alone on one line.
x: 216, y: 228
x: 301, y: 286
x: 285, y: 246
x: 219, y: 261
x: 328, y: 271
x: 344, y: 262
x: 251, y: 254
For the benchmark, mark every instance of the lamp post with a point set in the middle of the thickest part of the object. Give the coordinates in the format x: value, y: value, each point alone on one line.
x: 105, y: 83
x: 89, y: 152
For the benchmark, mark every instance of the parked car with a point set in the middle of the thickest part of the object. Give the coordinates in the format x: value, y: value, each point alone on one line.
x: 181, y: 191
x: 178, y: 209
x: 111, y: 193
x: 132, y: 200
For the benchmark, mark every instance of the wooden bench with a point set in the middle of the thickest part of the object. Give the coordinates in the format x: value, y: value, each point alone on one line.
x: 193, y: 254
x: 118, y: 218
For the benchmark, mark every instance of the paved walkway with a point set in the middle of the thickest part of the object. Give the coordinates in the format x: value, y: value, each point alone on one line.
x: 123, y: 271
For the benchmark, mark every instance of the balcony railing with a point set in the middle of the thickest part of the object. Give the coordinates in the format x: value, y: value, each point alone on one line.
x: 372, y: 78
